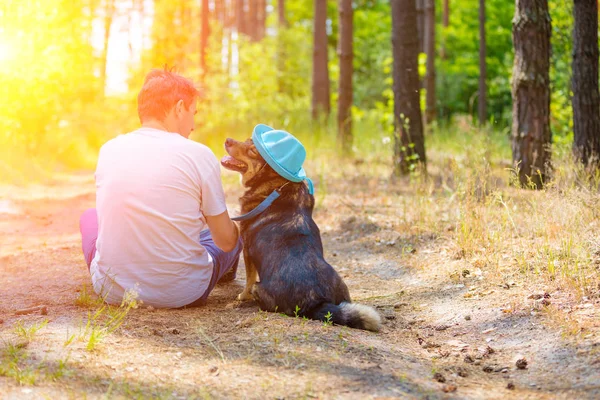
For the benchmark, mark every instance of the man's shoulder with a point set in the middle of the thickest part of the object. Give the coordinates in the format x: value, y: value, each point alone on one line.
x: 170, y: 142
x: 199, y: 152
x: 196, y: 146
x: 112, y: 142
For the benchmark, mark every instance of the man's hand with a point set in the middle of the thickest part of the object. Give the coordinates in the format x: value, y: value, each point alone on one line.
x: 224, y: 231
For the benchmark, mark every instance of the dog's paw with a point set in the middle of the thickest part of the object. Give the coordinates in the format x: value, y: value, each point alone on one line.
x: 245, y: 296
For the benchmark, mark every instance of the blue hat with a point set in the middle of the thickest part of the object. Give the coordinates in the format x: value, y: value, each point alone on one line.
x: 283, y: 152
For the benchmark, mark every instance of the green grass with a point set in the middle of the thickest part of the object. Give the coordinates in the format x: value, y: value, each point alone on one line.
x: 28, y: 333
x: 88, y: 299
x: 103, y: 321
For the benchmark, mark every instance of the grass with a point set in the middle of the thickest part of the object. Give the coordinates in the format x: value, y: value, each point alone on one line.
x: 207, y: 341
x: 88, y: 299
x: 28, y: 333
x: 25, y: 369
x: 103, y: 321
x: 14, y: 364
x: 470, y: 197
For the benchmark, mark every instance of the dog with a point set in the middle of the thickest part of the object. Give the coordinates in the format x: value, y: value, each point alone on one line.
x: 283, y: 248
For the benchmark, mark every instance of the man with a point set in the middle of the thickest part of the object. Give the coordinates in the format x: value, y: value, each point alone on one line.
x: 156, y: 192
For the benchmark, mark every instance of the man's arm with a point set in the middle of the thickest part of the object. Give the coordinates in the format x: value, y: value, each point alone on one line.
x: 223, y: 230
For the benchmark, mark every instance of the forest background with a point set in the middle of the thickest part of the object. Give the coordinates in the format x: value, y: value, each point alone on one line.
x: 58, y: 105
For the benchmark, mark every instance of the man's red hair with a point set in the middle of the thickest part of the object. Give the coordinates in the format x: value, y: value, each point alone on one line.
x: 161, y: 91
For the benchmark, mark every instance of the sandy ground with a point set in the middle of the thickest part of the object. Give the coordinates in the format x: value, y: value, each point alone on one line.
x: 451, y: 329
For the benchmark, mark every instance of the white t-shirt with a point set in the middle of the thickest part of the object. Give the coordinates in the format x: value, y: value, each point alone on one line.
x: 153, y: 189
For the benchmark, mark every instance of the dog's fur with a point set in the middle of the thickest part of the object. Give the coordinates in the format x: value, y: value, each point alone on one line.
x: 283, y: 247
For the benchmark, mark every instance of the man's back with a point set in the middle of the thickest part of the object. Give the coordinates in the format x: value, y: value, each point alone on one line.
x: 153, y: 188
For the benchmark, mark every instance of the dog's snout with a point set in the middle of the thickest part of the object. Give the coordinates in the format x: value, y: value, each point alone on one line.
x: 229, y: 142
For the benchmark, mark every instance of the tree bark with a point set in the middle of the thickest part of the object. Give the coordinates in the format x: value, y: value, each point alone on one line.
x: 281, y: 53
x: 531, y: 135
x: 252, y: 24
x: 421, y: 24
x: 409, y: 143
x: 262, y: 19
x: 240, y: 17
x: 586, y: 98
x: 281, y: 14
x: 446, y: 14
x: 482, y: 109
x: 430, y: 110
x: 346, y: 70
x: 205, y: 31
x: 320, y: 83
x: 220, y: 11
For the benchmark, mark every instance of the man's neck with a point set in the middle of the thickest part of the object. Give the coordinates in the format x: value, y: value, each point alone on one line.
x: 155, y: 124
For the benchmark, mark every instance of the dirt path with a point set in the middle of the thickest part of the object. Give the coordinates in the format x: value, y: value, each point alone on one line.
x: 446, y: 319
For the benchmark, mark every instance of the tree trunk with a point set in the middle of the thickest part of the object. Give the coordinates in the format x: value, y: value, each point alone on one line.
x: 421, y: 24
x: 409, y: 143
x: 586, y: 99
x: 446, y: 15
x: 346, y: 69
x: 240, y: 17
x: 204, y: 37
x: 531, y: 136
x: 482, y: 114
x: 252, y: 20
x: 281, y: 14
x: 220, y: 11
x: 262, y: 19
x: 109, y: 12
x: 320, y: 83
x: 281, y: 54
x: 430, y: 110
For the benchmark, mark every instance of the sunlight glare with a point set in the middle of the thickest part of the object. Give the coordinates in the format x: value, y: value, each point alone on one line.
x: 7, y: 53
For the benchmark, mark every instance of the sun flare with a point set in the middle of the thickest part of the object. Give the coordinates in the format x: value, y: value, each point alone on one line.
x: 7, y: 53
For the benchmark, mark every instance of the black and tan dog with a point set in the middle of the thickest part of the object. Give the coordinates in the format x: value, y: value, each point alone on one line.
x: 282, y: 247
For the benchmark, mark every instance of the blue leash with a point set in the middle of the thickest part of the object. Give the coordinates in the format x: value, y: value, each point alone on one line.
x: 260, y: 208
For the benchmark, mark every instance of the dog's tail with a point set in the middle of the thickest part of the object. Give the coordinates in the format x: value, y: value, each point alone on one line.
x: 349, y: 314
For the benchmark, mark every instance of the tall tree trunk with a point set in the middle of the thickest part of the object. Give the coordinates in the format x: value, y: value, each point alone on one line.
x: 109, y: 12
x: 409, y: 143
x: 482, y: 114
x: 204, y: 37
x: 421, y: 24
x: 240, y: 17
x: 345, y: 86
x: 281, y: 54
x: 430, y: 111
x: 320, y: 82
x: 220, y: 15
x: 586, y: 99
x: 531, y: 136
x: 262, y: 19
x: 252, y: 20
x: 281, y: 13
x: 446, y: 14
x: 220, y: 11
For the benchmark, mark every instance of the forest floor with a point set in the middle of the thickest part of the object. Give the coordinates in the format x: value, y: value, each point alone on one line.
x: 454, y: 327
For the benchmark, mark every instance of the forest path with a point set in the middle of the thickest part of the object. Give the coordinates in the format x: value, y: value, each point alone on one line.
x: 465, y: 329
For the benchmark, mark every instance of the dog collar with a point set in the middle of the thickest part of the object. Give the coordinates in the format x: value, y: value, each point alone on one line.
x: 262, y: 206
